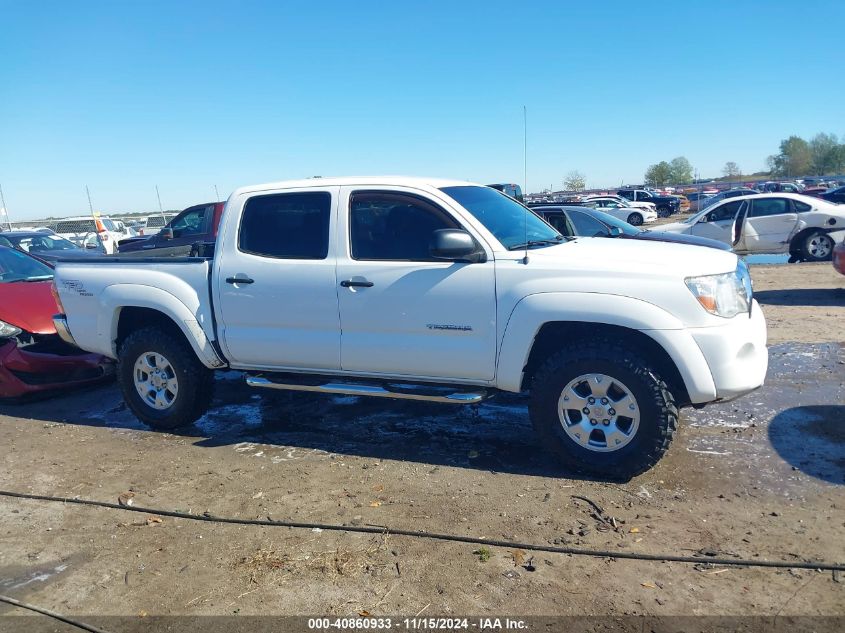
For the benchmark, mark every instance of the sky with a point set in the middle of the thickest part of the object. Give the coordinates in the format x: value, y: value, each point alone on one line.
x: 122, y: 97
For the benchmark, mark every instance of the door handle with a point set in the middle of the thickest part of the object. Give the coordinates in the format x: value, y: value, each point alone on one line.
x: 349, y: 283
x: 239, y: 280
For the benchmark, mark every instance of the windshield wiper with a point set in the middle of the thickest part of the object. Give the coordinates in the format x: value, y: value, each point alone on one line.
x: 532, y: 243
x: 30, y: 279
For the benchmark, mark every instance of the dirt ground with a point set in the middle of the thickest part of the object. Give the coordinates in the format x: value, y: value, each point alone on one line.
x: 762, y: 477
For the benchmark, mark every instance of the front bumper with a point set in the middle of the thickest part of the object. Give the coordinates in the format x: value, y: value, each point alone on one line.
x: 736, y: 353
x: 24, y: 372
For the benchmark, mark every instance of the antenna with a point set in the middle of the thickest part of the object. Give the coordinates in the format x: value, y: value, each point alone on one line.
x: 216, y: 193
x: 160, y: 210
x: 90, y: 206
x: 525, y: 177
x: 3, y: 208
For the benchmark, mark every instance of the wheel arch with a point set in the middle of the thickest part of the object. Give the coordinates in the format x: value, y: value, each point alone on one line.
x: 124, y: 311
x: 530, y: 335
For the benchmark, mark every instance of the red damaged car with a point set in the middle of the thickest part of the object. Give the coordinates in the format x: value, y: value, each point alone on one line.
x: 32, y: 356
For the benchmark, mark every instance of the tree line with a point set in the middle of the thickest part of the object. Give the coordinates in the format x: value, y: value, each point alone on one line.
x: 822, y: 155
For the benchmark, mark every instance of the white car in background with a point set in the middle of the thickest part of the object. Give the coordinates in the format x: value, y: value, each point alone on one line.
x: 624, y: 210
x: 807, y: 228
x: 154, y: 223
x: 631, y: 203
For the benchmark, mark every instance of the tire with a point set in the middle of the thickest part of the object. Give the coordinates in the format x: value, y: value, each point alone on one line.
x: 186, y: 385
x: 635, y: 219
x: 663, y: 212
x: 642, y: 443
x: 816, y: 246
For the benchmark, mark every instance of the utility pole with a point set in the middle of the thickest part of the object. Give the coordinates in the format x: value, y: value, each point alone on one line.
x: 90, y: 206
x: 3, y: 208
x: 160, y: 210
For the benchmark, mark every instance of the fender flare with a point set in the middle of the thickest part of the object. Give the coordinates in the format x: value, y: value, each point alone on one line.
x: 119, y: 296
x: 534, y: 311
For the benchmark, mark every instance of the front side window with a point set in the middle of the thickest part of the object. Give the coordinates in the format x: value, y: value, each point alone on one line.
x: 769, y: 206
x: 286, y: 225
x: 726, y: 211
x: 587, y: 226
x: 394, y: 226
x: 190, y: 222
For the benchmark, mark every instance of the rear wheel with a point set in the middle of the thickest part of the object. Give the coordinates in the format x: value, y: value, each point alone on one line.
x: 635, y: 219
x: 603, y: 410
x: 664, y: 212
x: 816, y: 246
x: 163, y: 381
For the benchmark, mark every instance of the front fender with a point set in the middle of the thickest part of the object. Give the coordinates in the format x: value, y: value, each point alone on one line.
x: 118, y: 296
x: 534, y: 311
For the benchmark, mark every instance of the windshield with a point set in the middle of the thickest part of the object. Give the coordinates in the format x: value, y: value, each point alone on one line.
x: 15, y: 266
x: 611, y: 221
x: 511, y: 223
x: 35, y: 243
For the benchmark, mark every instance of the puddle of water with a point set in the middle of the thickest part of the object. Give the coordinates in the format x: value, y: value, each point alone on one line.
x: 783, y: 258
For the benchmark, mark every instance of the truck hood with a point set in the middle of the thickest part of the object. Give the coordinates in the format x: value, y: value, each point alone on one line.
x: 29, y: 306
x: 626, y: 257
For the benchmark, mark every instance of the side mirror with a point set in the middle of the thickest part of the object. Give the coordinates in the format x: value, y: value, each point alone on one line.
x: 615, y: 231
x: 455, y: 245
x: 91, y: 246
x: 166, y: 234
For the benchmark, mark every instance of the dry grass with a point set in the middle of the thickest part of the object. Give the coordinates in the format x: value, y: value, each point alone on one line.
x: 276, y: 565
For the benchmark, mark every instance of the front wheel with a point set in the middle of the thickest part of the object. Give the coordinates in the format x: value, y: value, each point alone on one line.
x: 603, y: 409
x: 163, y: 381
x: 635, y: 219
x: 664, y: 212
x: 816, y: 247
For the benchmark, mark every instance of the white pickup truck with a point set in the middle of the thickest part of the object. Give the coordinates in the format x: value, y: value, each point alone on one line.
x: 434, y: 290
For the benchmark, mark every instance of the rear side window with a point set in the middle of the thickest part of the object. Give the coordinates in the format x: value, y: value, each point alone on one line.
x: 769, y: 206
x: 287, y: 225
x: 801, y: 207
x: 397, y: 227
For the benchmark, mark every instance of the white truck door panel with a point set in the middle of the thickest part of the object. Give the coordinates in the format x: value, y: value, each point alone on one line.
x: 287, y: 315
x: 768, y: 226
x: 413, y: 315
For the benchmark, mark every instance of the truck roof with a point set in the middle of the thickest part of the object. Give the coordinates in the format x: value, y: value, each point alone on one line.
x: 408, y: 181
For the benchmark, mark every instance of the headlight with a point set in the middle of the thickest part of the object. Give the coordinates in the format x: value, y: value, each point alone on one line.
x: 724, y: 295
x: 7, y: 330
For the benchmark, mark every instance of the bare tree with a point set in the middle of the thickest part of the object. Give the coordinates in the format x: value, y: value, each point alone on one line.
x: 575, y: 181
x: 731, y: 170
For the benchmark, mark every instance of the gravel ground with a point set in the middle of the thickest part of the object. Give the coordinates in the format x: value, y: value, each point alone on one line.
x: 762, y: 477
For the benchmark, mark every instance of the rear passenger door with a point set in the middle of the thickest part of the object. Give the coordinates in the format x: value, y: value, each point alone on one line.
x: 276, y: 290
x: 768, y: 226
x: 402, y: 311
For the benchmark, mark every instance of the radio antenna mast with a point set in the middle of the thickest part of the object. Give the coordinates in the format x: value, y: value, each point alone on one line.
x: 216, y: 193
x: 525, y: 177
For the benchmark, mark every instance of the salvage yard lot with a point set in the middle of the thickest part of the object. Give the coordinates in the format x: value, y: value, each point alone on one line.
x: 762, y: 477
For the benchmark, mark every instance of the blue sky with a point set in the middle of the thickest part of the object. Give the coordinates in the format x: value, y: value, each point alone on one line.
x: 123, y: 96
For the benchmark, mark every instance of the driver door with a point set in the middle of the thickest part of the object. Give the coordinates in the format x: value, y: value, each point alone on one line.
x: 403, y: 312
x: 718, y: 222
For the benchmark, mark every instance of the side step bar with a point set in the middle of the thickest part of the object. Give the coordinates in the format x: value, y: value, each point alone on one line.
x: 430, y: 393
